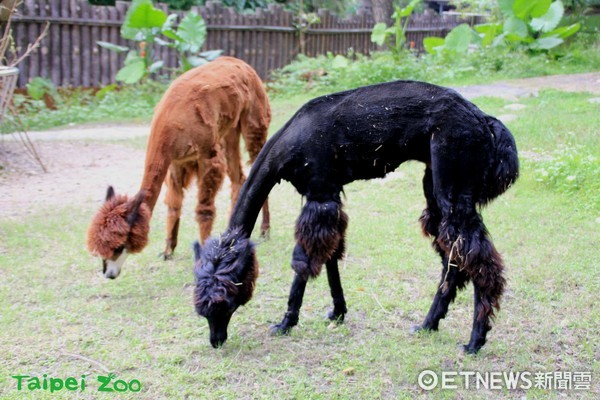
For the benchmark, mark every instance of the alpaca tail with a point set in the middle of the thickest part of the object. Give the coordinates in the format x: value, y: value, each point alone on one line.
x: 504, y: 167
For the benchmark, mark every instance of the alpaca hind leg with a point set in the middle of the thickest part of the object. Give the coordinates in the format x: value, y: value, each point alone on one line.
x: 233, y: 159
x: 173, y: 199
x: 452, y: 279
x: 486, y: 267
x: 464, y: 236
x: 210, y: 180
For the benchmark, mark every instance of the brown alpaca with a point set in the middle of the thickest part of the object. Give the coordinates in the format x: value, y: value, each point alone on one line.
x: 195, y: 132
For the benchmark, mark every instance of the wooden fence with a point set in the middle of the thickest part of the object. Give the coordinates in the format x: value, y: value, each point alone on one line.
x: 267, y: 39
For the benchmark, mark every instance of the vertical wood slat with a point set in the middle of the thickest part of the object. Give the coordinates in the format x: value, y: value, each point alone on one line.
x: 69, y: 55
x: 86, y: 46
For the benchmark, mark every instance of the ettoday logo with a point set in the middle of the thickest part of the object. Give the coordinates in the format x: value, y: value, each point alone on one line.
x: 51, y: 384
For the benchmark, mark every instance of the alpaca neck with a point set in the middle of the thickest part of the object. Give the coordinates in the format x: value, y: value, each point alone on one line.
x: 155, y: 169
x: 263, y: 176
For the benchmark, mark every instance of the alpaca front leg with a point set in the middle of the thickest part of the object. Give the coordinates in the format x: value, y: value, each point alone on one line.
x: 337, y: 293
x: 174, y: 199
x: 290, y: 319
x: 209, y: 183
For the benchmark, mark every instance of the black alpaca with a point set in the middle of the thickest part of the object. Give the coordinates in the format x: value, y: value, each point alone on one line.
x: 365, y: 133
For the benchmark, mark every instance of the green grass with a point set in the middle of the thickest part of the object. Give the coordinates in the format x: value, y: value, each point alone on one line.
x: 61, y: 318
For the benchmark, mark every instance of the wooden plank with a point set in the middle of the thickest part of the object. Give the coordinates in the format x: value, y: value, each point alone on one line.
x: 105, y: 73
x: 33, y: 31
x: 76, y: 44
x: 65, y: 43
x: 95, y: 36
x: 54, y: 33
x: 45, y: 45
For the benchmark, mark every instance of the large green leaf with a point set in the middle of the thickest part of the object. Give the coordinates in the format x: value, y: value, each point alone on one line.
x: 506, y: 6
x: 526, y: 8
x: 432, y: 44
x: 132, y: 72
x: 546, y: 43
x: 458, y: 39
x: 540, y: 8
x: 112, y: 46
x: 564, y: 31
x: 127, y: 31
x: 192, y: 30
x: 488, y: 32
x: 146, y: 16
x: 550, y: 20
x: 211, y: 55
x: 378, y: 33
x: 515, y: 26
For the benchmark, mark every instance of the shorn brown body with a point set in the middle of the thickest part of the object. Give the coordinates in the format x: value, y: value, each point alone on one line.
x: 195, y: 132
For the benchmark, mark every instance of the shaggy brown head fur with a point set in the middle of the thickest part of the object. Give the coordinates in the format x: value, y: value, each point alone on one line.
x: 121, y: 224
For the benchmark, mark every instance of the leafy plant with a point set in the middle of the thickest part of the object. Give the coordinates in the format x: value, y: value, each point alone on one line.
x: 144, y: 24
x: 456, y: 42
x: 395, y: 35
x: 532, y: 23
x: 188, y: 38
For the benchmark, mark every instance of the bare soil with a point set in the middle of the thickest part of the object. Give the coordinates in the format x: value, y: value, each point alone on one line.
x: 81, y: 164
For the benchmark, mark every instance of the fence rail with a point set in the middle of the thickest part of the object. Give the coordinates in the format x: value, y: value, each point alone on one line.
x: 267, y: 39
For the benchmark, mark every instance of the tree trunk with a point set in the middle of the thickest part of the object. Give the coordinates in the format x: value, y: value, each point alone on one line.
x: 382, y: 10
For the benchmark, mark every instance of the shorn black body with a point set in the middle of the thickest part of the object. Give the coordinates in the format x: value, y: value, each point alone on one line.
x: 470, y: 158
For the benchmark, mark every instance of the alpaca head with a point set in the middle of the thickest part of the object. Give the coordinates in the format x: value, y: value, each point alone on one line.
x: 226, y: 270
x: 119, y: 228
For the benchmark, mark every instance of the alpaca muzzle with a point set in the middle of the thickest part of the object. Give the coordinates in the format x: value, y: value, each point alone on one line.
x: 112, y: 268
x: 218, y: 329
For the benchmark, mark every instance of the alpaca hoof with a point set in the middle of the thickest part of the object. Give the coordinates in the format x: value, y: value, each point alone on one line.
x: 279, y: 330
x: 166, y: 256
x: 469, y: 349
x: 336, y: 317
x: 265, y: 233
x: 415, y: 329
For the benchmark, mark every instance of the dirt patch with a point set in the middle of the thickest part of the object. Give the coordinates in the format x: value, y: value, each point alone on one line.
x: 78, y: 173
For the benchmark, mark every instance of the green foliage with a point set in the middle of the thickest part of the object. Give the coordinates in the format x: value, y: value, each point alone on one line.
x: 533, y: 24
x: 569, y: 169
x: 330, y: 73
x: 394, y: 36
x: 457, y: 41
x: 38, y: 87
x: 144, y: 24
x: 530, y: 24
x: 188, y: 38
x: 173, y: 4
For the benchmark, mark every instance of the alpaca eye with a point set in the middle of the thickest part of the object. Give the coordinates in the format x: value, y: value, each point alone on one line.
x: 118, y: 251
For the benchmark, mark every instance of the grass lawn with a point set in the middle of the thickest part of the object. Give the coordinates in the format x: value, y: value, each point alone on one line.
x: 60, y: 317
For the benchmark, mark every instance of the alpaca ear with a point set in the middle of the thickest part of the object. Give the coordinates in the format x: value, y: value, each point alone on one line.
x: 135, y: 207
x: 197, y: 251
x: 110, y: 193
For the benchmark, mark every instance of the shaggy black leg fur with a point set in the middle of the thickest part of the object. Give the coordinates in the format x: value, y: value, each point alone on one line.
x: 320, y: 233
